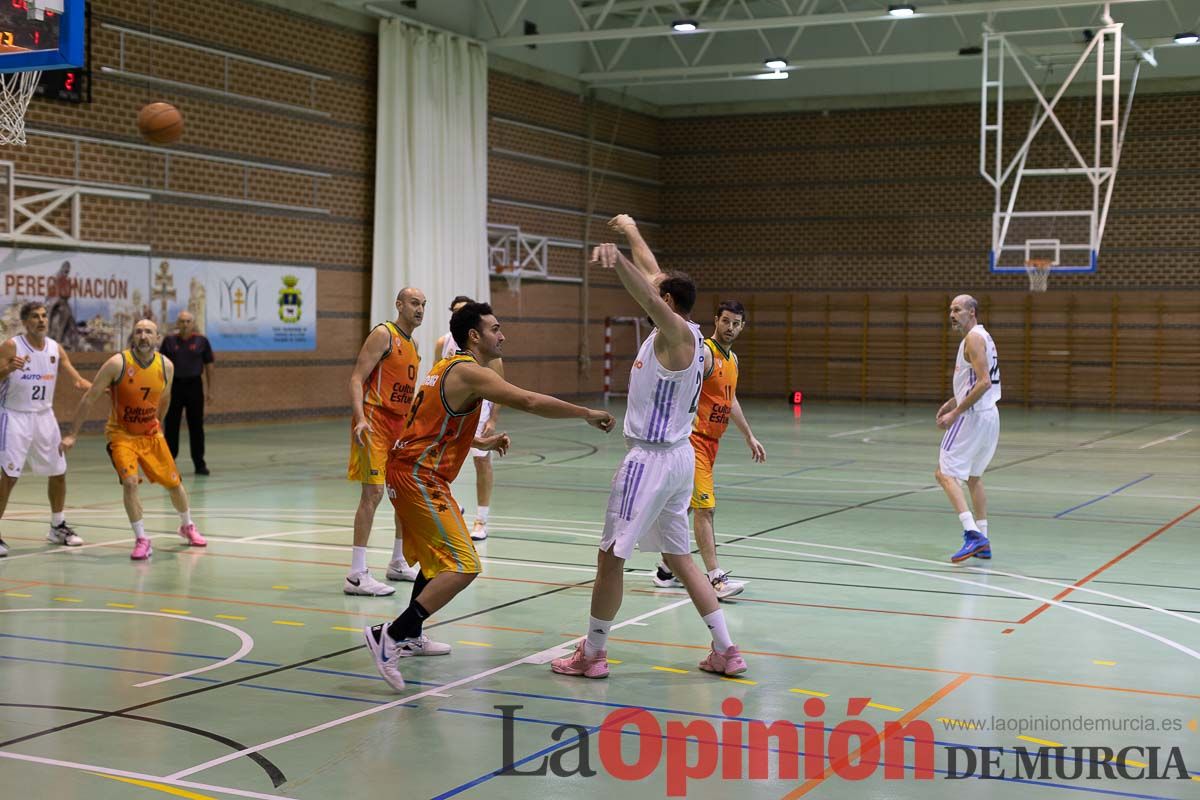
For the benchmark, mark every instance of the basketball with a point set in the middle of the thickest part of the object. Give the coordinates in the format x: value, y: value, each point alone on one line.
x: 160, y: 123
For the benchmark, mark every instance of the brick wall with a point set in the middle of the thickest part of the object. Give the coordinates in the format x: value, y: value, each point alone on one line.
x: 340, y: 142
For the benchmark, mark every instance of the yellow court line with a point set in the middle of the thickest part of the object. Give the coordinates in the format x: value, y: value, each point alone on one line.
x: 614, y: 661
x: 809, y: 691
x: 174, y: 611
x: 157, y: 786
x: 68, y: 600
x: 228, y: 616
x: 16, y: 594
x: 1042, y: 741
x: 1104, y: 663
x: 474, y: 644
x: 287, y: 622
x: 1133, y: 763
x: 281, y: 587
x: 739, y: 680
x: 959, y: 724
x: 340, y: 628
x: 671, y: 669
x: 120, y: 605
x: 885, y: 708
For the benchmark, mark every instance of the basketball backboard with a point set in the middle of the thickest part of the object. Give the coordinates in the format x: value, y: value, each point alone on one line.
x: 41, y: 35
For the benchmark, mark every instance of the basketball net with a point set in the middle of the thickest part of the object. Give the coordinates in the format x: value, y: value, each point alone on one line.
x: 16, y: 90
x: 1038, y: 270
x: 511, y: 274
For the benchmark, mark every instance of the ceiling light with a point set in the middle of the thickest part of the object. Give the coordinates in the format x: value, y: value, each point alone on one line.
x: 777, y: 75
x: 1187, y: 38
x: 902, y: 9
x: 775, y: 63
x: 685, y: 26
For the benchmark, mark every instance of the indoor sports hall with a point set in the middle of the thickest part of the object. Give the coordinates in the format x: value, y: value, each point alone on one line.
x: 952, y: 240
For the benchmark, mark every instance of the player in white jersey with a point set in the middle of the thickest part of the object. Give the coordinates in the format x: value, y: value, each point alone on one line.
x: 652, y: 488
x: 485, y: 477
x: 29, y: 366
x: 972, y: 424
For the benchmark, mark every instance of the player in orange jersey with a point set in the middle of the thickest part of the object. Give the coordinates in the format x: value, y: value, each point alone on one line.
x: 718, y: 405
x: 140, y: 382
x: 382, y: 386
x: 440, y: 434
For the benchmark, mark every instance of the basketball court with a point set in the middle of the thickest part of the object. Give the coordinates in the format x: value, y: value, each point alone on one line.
x: 238, y: 670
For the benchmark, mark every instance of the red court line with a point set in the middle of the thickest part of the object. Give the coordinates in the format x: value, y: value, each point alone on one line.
x: 1037, y: 611
x: 916, y: 711
x: 850, y: 608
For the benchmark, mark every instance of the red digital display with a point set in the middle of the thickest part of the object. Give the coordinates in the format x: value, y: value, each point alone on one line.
x: 797, y: 397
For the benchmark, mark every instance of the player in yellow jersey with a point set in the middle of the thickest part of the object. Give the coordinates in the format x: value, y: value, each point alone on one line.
x: 382, y: 386
x: 139, y: 382
x: 718, y: 405
x: 440, y: 434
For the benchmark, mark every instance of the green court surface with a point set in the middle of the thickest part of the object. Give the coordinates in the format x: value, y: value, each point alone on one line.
x: 116, y: 679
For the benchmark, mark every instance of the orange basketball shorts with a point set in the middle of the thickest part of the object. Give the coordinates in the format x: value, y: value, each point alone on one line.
x: 435, y: 533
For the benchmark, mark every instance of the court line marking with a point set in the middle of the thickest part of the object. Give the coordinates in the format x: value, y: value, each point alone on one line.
x: 550, y: 651
x: 989, y: 571
x: 247, y: 642
x: 54, y: 762
x: 1166, y: 439
x: 158, y: 787
x: 1132, y: 628
x: 1045, y: 742
x: 1104, y: 496
x: 879, y: 428
x: 55, y: 550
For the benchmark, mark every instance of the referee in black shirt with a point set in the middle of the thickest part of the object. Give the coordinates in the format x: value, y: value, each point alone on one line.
x: 192, y: 356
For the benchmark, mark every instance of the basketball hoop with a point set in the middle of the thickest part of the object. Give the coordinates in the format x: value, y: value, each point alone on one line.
x: 1038, y: 270
x: 512, y: 274
x: 16, y: 90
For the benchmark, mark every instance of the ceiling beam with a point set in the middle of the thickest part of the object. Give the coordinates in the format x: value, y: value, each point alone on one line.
x: 769, y: 23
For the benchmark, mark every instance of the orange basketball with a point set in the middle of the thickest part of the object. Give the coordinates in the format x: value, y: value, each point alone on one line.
x: 160, y: 123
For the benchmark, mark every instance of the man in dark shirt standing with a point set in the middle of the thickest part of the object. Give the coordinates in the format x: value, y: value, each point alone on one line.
x: 193, y: 358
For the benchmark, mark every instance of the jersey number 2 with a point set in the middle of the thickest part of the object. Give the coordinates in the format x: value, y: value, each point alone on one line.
x: 696, y: 397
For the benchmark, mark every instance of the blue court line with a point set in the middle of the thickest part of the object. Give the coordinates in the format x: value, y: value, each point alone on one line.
x: 1101, y: 497
x: 800, y: 754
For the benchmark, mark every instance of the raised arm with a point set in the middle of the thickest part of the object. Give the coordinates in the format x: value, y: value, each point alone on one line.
x: 105, y: 378
x: 643, y: 258
x: 65, y: 363
x: 369, y: 354
x: 672, y: 327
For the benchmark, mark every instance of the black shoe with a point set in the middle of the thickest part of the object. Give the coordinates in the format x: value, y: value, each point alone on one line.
x: 202, y: 470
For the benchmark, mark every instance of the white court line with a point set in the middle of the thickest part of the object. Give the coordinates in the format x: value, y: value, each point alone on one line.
x: 1166, y: 439
x: 54, y: 762
x: 325, y: 529
x: 1135, y: 629
x: 247, y: 642
x: 63, y: 549
x: 993, y: 571
x: 931, y: 423
x: 533, y: 658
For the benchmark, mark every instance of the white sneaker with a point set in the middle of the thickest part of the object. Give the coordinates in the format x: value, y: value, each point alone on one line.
x: 422, y: 646
x: 399, y: 570
x: 665, y: 579
x: 725, y: 587
x: 479, y: 532
x: 63, y: 534
x: 362, y: 583
x: 383, y: 650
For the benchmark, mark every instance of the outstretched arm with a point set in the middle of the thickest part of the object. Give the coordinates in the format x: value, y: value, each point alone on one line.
x: 485, y: 383
x: 643, y: 258
x: 105, y: 378
x: 671, y: 326
x: 757, y: 451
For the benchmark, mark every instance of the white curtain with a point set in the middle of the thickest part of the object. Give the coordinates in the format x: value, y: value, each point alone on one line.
x: 430, y: 175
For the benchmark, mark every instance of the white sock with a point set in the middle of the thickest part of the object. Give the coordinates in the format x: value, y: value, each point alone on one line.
x: 57, y: 518
x: 720, y: 633
x: 713, y: 574
x: 185, y: 517
x: 139, y: 528
x: 982, y: 523
x: 358, y: 559
x: 397, y: 551
x: 597, y: 636
x: 968, y: 521
x: 481, y: 514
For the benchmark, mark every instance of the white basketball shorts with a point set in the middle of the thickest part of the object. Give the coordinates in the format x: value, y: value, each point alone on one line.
x: 485, y: 414
x: 969, y: 444
x: 648, y: 505
x: 33, y: 436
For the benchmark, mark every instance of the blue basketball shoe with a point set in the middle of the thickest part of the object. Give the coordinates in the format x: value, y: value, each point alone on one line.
x: 973, y: 542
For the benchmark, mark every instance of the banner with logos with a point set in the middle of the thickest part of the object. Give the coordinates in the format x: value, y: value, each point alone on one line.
x: 94, y: 299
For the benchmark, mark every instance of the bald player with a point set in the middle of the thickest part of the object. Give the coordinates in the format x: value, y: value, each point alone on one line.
x: 140, y: 382
x: 972, y: 424
x: 382, y: 385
